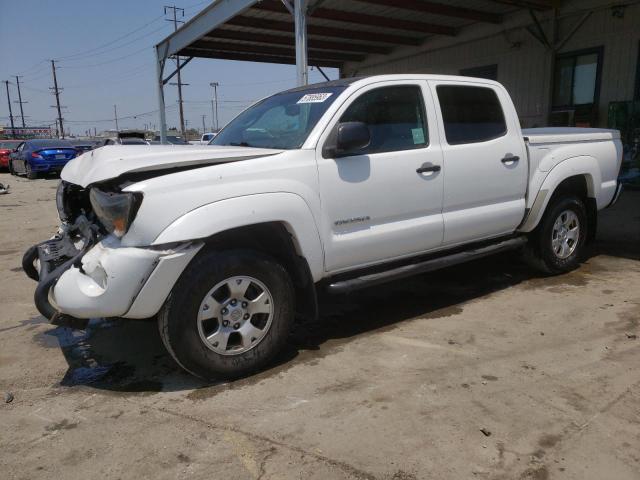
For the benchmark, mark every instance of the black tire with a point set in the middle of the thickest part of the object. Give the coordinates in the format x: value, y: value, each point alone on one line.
x: 10, y: 167
x: 540, y: 251
x: 178, y: 318
x: 31, y: 175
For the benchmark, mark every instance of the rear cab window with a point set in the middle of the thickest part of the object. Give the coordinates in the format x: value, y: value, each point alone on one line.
x: 471, y: 114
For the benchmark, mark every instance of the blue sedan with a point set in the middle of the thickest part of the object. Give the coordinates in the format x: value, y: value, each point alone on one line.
x: 33, y: 157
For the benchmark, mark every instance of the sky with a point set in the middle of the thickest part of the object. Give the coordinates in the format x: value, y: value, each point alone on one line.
x: 104, y: 57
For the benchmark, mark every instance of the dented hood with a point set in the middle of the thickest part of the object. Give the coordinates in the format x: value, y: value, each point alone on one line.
x: 112, y: 161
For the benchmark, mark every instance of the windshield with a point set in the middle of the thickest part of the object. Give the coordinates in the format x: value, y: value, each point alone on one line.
x: 282, y: 121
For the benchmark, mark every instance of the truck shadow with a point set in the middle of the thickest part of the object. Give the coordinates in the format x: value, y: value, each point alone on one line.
x: 127, y: 356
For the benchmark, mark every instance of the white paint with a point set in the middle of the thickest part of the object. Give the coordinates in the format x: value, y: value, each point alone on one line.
x: 343, y: 213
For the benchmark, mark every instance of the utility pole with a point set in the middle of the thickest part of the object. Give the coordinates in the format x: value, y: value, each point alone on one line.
x: 115, y: 115
x: 56, y: 92
x: 175, y: 27
x: 215, y: 100
x: 204, y: 129
x: 13, y: 131
x: 20, y: 100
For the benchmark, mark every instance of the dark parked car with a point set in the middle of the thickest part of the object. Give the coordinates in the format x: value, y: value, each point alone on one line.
x: 172, y: 139
x: 41, y: 156
x: 6, y: 147
x: 83, y: 146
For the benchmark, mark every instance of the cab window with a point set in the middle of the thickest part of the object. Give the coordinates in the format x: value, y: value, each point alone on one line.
x: 470, y: 114
x: 395, y: 117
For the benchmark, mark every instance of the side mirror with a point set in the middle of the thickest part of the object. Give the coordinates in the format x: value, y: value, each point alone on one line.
x: 352, y: 136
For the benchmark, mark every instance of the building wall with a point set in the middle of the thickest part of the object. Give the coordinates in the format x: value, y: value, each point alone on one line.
x: 524, y: 65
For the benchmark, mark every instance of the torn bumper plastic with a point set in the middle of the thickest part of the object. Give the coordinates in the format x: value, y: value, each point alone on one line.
x: 103, y: 279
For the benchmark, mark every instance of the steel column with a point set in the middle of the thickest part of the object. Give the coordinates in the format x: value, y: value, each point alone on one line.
x: 300, y: 15
x: 160, y: 60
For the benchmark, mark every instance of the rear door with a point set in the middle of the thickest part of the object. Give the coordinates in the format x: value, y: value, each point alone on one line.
x: 383, y: 202
x: 485, y: 161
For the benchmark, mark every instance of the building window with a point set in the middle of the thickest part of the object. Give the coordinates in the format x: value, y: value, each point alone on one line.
x: 490, y: 72
x: 577, y: 79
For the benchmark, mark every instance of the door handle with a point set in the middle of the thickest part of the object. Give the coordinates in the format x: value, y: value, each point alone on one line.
x: 428, y: 168
x: 512, y: 159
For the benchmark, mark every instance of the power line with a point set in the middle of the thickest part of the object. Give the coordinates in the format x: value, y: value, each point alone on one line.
x: 117, y: 59
x: 92, y: 55
x: 125, y: 117
x: 85, y: 52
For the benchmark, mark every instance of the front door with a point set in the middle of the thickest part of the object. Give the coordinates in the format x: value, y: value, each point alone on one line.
x: 384, y: 201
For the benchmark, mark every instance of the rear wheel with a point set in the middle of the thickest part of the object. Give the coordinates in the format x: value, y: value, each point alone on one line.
x: 31, y: 175
x: 557, y: 244
x: 228, y: 314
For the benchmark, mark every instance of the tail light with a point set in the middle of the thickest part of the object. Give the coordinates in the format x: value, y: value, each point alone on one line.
x: 35, y: 155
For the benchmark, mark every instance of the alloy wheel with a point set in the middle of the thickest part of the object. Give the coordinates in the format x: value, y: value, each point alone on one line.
x: 235, y: 315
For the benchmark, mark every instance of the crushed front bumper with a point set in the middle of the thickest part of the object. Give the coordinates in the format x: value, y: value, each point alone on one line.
x: 86, y: 278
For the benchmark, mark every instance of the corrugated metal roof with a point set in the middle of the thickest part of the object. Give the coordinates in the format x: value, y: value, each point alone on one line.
x: 338, y: 30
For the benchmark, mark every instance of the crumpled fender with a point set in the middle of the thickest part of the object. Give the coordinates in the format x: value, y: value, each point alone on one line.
x: 288, y: 208
x: 584, y: 165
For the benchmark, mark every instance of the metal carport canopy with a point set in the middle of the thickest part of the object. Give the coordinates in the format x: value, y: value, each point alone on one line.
x: 338, y: 31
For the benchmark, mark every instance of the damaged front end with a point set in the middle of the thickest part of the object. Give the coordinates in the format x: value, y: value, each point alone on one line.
x: 84, y: 271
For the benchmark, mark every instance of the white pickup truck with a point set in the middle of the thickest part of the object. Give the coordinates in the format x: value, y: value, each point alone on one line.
x: 334, y: 186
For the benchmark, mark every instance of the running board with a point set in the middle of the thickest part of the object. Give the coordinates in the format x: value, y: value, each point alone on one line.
x: 346, y: 286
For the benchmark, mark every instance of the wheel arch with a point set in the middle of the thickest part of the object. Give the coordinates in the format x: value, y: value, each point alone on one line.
x: 579, y: 176
x: 274, y: 239
x: 278, y: 224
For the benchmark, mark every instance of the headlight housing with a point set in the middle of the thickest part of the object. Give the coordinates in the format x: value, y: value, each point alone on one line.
x: 60, y: 192
x: 115, y: 210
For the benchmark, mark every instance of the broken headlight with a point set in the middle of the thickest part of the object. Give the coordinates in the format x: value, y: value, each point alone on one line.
x: 115, y: 210
x: 62, y: 213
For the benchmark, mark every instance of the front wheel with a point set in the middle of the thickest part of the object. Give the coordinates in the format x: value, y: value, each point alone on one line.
x: 228, y: 315
x: 557, y: 244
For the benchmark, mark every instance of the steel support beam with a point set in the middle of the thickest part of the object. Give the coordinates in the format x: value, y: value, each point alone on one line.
x: 364, y: 19
x: 161, y: 58
x: 288, y: 40
x: 251, y: 57
x: 215, y: 14
x: 439, y: 9
x: 302, y: 66
x: 220, y: 46
x: 166, y: 80
x: 371, y: 35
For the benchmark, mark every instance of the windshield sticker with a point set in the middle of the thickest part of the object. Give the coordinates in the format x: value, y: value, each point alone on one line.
x: 314, y: 97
